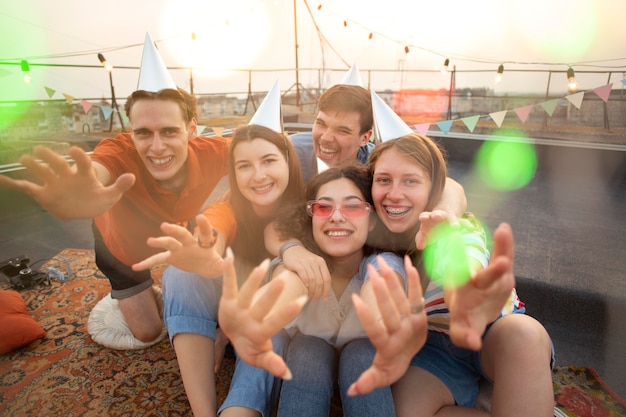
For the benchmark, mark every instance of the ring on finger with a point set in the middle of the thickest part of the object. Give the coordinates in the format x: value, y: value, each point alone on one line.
x: 418, y: 307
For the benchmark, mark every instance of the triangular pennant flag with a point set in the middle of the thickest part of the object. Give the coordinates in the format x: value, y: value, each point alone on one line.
x: 445, y: 126
x: 4, y: 73
x: 269, y: 113
x: 422, y: 128
x: 549, y: 106
x: 387, y: 124
x: 106, y: 111
x: 470, y: 122
x: 153, y: 74
x: 523, y: 112
x: 86, y: 105
x: 218, y: 130
x: 498, y: 117
x: 624, y: 82
x: 49, y: 91
x: 576, y: 99
x: 68, y: 98
x: 200, y: 129
x: 353, y: 77
x: 604, y: 92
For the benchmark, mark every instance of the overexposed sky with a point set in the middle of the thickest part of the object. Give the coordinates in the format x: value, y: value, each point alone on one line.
x: 260, y: 34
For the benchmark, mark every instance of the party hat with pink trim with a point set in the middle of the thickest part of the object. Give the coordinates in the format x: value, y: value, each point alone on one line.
x: 269, y: 113
x: 387, y: 124
x: 153, y: 74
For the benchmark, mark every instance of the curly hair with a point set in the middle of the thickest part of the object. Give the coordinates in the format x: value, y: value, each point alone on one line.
x: 294, y: 222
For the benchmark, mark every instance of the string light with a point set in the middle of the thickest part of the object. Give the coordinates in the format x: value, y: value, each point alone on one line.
x: 345, y: 23
x: 499, y: 73
x: 572, y: 85
x: 104, y: 62
x: 319, y: 7
x: 371, y: 35
x: 446, y: 63
x: 26, y: 71
x: 407, y: 50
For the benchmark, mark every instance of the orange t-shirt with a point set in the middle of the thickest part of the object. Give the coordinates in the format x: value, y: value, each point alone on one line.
x: 141, y: 210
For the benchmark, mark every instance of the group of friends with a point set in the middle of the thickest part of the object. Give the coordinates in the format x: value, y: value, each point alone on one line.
x: 311, y: 264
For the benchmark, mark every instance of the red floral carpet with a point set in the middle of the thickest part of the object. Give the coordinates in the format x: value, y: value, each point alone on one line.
x: 68, y: 374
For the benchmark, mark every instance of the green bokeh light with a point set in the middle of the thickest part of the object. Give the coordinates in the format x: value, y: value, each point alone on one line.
x: 507, y: 165
x: 445, y: 259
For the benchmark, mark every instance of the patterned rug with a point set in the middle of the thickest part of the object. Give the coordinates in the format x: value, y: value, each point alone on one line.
x: 67, y: 374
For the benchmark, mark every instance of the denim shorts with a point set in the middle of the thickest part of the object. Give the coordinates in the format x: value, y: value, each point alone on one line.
x: 459, y: 369
x: 191, y: 303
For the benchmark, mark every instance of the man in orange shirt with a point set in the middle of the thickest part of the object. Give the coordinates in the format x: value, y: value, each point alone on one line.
x: 131, y: 184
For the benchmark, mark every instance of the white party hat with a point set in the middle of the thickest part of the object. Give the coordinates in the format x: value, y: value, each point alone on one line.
x: 387, y: 124
x: 153, y: 74
x: 353, y: 77
x: 269, y: 113
x: 321, y: 166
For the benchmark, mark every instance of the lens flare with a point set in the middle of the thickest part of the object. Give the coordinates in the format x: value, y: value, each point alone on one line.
x: 445, y: 259
x: 507, y: 164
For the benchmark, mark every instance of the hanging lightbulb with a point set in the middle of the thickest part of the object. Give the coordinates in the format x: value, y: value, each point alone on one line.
x: 572, y: 85
x: 319, y: 7
x: 345, y: 23
x: 444, y: 69
x: 499, y: 73
x: 104, y: 62
x: 26, y: 71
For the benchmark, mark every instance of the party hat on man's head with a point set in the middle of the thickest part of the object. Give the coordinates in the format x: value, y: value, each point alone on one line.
x: 269, y: 113
x: 353, y: 77
x: 153, y: 74
x: 387, y: 124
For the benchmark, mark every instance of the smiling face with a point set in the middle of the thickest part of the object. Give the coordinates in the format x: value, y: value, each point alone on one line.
x: 161, y: 135
x: 400, y: 190
x: 338, y: 235
x: 262, y: 174
x: 337, y: 137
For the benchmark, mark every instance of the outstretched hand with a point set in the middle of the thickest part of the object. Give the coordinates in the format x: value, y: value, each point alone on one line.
x: 182, y: 250
x: 398, y: 334
x: 312, y: 270
x: 428, y: 221
x: 250, y: 322
x: 479, y: 302
x: 67, y: 192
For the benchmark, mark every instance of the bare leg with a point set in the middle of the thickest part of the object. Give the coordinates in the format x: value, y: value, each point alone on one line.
x: 195, y: 354
x: 142, y: 315
x: 516, y: 356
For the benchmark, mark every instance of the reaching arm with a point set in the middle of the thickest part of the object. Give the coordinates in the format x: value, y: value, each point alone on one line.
x: 69, y: 192
x: 311, y: 268
x: 182, y: 249
x: 251, y: 316
x: 450, y: 207
x: 479, y: 302
x: 400, y: 330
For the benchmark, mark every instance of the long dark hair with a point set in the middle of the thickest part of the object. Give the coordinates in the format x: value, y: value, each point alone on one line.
x: 249, y: 243
x: 294, y: 222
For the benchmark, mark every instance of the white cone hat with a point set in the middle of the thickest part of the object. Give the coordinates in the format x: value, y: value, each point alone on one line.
x: 353, y: 77
x: 387, y: 124
x: 269, y: 113
x: 153, y: 74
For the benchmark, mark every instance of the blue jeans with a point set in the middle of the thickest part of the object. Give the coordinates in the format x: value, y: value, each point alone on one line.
x: 317, y: 368
x: 191, y: 305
